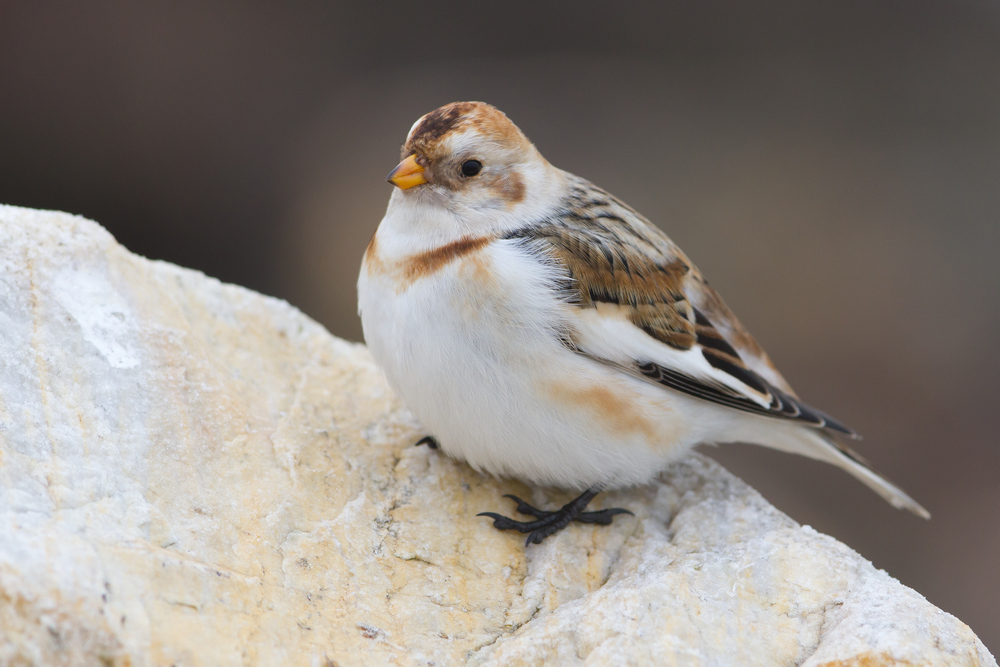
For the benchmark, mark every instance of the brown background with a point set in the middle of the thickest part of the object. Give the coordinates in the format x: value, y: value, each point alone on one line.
x: 833, y: 167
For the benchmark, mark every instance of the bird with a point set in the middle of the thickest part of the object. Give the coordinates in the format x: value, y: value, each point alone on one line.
x: 542, y: 329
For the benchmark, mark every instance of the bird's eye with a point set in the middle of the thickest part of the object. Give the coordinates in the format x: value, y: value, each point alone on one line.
x: 471, y: 167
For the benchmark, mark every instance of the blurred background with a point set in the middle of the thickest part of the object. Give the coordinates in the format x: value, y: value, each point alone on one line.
x: 832, y: 167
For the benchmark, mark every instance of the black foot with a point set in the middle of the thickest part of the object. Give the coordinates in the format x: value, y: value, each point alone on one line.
x: 549, y: 523
x: 427, y: 440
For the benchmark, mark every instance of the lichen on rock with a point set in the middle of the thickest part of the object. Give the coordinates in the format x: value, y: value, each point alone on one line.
x: 193, y: 473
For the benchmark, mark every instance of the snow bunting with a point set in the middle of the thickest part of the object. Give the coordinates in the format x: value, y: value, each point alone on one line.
x: 542, y: 329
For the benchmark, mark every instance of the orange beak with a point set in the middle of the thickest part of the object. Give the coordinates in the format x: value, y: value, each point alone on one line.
x: 407, y: 174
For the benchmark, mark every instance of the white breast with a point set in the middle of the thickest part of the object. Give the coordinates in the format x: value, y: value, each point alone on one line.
x: 473, y: 349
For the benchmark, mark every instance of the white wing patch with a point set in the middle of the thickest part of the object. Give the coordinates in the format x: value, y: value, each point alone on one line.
x: 607, y: 335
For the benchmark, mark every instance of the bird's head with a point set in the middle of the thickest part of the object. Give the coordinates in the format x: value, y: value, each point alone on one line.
x: 469, y: 159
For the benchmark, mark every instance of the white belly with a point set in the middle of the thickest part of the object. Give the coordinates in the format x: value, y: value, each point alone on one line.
x: 474, y: 352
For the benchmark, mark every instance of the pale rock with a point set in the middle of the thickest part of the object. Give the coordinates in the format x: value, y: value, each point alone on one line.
x: 194, y: 474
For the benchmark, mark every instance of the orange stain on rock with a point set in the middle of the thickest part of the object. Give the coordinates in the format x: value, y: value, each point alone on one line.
x: 868, y: 660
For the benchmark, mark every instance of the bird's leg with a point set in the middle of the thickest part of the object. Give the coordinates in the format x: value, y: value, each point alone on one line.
x: 549, y: 523
x: 428, y: 440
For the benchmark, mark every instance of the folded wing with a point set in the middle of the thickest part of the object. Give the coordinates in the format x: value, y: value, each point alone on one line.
x: 644, y: 307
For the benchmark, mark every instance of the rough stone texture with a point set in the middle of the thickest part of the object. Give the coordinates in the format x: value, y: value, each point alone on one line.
x: 191, y: 473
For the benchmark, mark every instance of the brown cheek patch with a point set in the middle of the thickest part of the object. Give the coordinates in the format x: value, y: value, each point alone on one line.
x: 509, y: 188
x: 428, y: 263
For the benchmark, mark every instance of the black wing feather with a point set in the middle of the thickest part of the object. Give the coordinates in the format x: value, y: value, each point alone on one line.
x: 782, y: 405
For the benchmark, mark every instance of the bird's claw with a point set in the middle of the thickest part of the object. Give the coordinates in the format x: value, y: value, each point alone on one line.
x: 548, y: 523
x: 428, y: 440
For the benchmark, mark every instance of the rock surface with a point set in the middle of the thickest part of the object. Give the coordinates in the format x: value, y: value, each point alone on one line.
x: 192, y: 473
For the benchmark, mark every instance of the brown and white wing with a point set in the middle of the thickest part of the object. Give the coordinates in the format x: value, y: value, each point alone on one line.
x: 645, y: 308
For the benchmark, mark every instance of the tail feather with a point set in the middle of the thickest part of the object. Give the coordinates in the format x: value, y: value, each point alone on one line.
x: 854, y: 463
x: 822, y: 445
